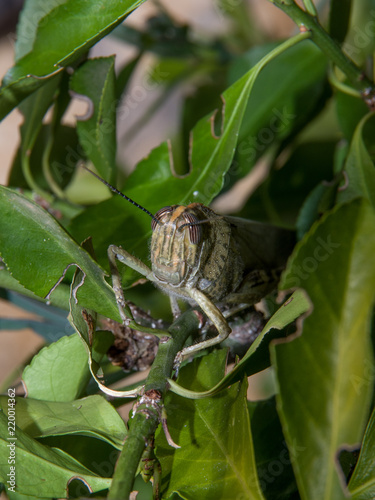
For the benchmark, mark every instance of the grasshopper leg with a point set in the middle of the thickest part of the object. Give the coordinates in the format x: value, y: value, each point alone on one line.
x: 126, y: 258
x: 217, y: 319
x: 174, y: 306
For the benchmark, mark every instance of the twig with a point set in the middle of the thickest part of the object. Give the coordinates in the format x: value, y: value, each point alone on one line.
x: 307, y: 22
x: 149, y: 408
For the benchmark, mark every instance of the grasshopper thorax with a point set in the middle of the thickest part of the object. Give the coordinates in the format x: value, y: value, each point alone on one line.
x: 177, y: 243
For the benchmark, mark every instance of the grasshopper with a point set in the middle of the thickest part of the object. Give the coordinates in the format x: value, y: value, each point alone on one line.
x: 206, y: 259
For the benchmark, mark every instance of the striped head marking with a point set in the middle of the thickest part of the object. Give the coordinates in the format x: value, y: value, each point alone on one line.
x: 176, y: 243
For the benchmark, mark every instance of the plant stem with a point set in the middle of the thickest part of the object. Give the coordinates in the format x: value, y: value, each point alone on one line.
x: 327, y: 45
x: 147, y: 418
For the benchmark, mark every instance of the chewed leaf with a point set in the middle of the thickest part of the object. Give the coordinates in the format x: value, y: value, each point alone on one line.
x: 359, y: 167
x: 59, y: 40
x: 60, y: 298
x: 362, y: 482
x: 334, y: 263
x: 297, y: 305
x: 58, y: 372
x: 46, y: 472
x: 45, y: 251
x: 95, y: 81
x: 83, y: 321
x: 210, y: 156
x: 215, y: 438
x: 90, y: 416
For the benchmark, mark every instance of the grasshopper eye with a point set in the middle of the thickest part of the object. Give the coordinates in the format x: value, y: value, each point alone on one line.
x: 159, y: 214
x: 195, y: 230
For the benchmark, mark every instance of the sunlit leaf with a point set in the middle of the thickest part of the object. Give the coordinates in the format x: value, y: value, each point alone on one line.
x: 91, y: 416
x: 45, y: 251
x: 59, y: 372
x: 275, y: 110
x: 359, y: 167
x: 97, y: 131
x: 58, y: 37
x: 43, y: 471
x: 362, y: 482
x: 324, y: 391
x: 257, y: 356
x: 222, y: 439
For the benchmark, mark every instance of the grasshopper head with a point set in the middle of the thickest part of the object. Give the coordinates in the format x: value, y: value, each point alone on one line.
x: 176, y: 243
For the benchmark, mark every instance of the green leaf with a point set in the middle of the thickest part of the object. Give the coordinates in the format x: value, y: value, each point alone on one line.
x: 19, y: 496
x: 33, y: 12
x: 339, y: 19
x: 60, y: 38
x: 34, y: 109
x: 217, y: 430
x: 59, y: 140
x: 274, y: 462
x: 359, y: 40
x: 359, y: 168
x: 83, y: 321
x: 362, y: 482
x: 280, y: 198
x: 256, y: 358
x: 95, y: 79
x: 59, y: 298
x: 42, y: 471
x: 59, y: 372
x: 283, y: 98
x: 321, y: 199
x: 350, y: 110
x: 323, y: 395
x: 210, y: 151
x: 45, y: 251
x: 52, y: 161
x: 91, y: 416
x: 124, y: 74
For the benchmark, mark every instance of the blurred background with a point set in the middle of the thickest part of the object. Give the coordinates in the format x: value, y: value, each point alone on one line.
x: 207, y: 21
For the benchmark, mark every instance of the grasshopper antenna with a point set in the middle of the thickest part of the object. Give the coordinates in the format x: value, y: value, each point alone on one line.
x: 112, y: 188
